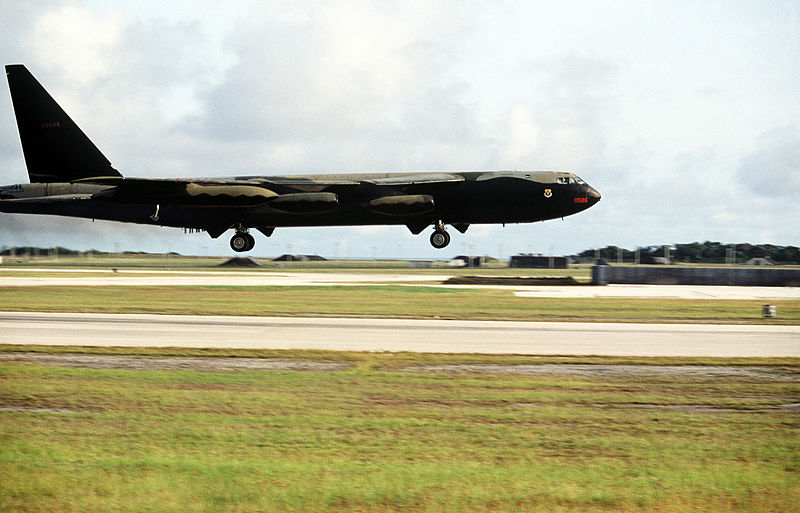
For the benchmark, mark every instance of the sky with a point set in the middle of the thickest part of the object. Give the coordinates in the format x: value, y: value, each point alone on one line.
x: 684, y: 115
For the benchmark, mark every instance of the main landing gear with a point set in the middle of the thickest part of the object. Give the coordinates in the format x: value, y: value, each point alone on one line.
x: 440, y: 238
x: 242, y: 241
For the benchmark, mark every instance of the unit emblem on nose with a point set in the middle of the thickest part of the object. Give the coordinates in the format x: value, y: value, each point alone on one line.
x: 548, y: 193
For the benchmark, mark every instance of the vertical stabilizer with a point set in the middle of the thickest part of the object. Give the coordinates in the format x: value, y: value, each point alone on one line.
x: 55, y: 149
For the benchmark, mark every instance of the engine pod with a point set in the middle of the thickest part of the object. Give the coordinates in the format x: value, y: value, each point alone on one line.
x: 403, y: 205
x: 228, y: 195
x: 305, y: 202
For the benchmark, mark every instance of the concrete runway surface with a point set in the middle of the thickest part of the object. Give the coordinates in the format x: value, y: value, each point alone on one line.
x: 361, y: 334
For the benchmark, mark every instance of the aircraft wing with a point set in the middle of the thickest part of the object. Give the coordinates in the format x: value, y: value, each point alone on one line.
x: 212, y: 193
x: 323, y: 180
x: 290, y: 194
x: 41, y: 200
x: 416, y: 179
x: 178, y: 192
x: 396, y: 180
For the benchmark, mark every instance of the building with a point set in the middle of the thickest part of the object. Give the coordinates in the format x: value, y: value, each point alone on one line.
x: 539, y: 261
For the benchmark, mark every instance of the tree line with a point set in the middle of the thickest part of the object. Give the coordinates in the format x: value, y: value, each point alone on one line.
x: 57, y: 250
x: 701, y: 252
x: 695, y: 252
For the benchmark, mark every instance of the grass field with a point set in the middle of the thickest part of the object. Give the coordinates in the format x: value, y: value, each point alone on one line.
x: 134, y: 261
x: 380, y: 437
x: 384, y: 301
x: 167, y: 261
x: 396, y: 432
x: 582, y: 272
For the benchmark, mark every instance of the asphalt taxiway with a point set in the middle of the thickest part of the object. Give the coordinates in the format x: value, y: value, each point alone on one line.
x: 415, y: 335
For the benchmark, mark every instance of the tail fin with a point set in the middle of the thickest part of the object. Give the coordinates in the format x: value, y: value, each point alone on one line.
x: 55, y: 149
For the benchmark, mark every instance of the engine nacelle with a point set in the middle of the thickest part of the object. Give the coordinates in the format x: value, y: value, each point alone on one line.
x: 403, y: 205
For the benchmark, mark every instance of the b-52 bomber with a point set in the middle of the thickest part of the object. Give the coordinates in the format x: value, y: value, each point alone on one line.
x: 70, y: 177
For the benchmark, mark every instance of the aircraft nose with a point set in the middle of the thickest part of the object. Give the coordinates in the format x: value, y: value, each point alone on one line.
x: 593, y: 194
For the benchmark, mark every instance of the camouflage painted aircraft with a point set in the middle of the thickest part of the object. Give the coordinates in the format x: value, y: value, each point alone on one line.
x: 70, y: 177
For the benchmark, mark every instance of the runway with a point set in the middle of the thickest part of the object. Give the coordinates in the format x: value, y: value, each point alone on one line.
x: 361, y: 334
x: 150, y: 278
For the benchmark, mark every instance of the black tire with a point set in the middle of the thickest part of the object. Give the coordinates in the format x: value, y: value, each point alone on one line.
x: 251, y: 241
x: 240, y: 242
x: 440, y: 239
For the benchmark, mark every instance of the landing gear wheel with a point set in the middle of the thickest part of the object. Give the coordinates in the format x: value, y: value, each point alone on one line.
x: 242, y: 242
x: 440, y: 239
x: 251, y: 242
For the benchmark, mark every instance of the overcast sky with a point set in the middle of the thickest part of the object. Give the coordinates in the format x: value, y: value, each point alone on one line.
x: 684, y: 115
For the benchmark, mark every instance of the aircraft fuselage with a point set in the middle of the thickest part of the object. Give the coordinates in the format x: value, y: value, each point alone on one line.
x: 71, y: 177
x: 480, y: 197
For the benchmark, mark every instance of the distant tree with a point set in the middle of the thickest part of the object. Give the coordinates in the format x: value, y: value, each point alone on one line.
x: 688, y: 252
x: 703, y: 252
x: 787, y: 255
x: 30, y: 250
x: 608, y: 253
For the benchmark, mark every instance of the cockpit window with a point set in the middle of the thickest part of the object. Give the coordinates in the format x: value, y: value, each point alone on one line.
x: 569, y: 179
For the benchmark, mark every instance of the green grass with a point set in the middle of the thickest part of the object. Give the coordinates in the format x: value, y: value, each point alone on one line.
x: 389, y: 301
x: 155, y: 260
x: 112, y: 260
x: 18, y: 266
x: 377, y: 438
x: 392, y: 360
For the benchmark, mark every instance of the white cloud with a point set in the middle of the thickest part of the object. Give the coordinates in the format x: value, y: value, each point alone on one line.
x: 676, y: 128
x: 73, y: 30
x: 524, y: 135
x: 773, y: 169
